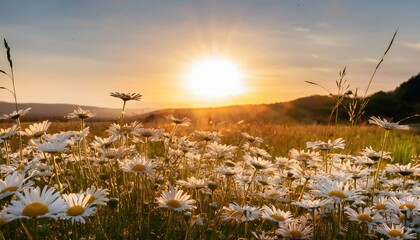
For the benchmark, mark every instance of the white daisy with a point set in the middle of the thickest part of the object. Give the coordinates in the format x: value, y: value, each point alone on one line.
x: 13, y: 183
x: 387, y: 125
x: 176, y: 200
x: 139, y: 165
x: 34, y: 202
x: 77, y: 207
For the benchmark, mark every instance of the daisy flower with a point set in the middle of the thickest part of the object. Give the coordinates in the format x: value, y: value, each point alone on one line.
x: 228, y: 171
x: 220, y: 151
x: 395, y: 231
x: 139, y: 165
x: 36, y: 130
x: 409, y: 205
x: 276, y: 215
x: 16, y: 114
x: 13, y: 183
x: 207, y: 136
x: 366, y: 216
x: 277, y: 194
x: 152, y: 135
x: 403, y: 170
x: 36, y: 203
x: 179, y: 121
x: 6, y: 134
x: 79, y: 135
x: 98, y: 196
x: 176, y: 200
x: 305, y: 156
x: 77, y: 207
x: 336, y: 191
x: 194, y: 183
x: 387, y: 125
x: 126, y: 96
x: 296, y: 229
x: 376, y: 155
x: 127, y: 129
x: 255, y: 151
x: 113, y: 153
x: 240, y: 214
x: 252, y: 139
x: 258, y: 163
x: 81, y: 114
x: 320, y: 145
x: 99, y: 142
x: 310, y: 204
x: 53, y: 146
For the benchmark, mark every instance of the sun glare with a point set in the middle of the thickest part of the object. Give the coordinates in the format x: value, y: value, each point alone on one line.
x: 215, y: 77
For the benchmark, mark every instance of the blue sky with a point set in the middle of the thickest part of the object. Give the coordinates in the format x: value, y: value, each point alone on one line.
x: 80, y: 51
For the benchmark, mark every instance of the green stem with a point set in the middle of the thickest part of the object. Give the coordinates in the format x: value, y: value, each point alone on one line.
x: 249, y: 186
x: 57, y: 178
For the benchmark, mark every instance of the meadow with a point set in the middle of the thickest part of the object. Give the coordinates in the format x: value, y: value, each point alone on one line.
x: 93, y: 180
x: 179, y: 180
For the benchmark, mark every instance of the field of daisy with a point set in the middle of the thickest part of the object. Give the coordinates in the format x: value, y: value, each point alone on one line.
x: 126, y: 180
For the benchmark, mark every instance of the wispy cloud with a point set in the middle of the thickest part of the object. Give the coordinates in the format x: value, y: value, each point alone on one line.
x: 415, y: 45
x: 371, y: 60
x: 301, y: 29
x: 323, y: 69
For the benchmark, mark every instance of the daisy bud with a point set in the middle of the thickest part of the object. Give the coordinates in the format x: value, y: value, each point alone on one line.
x: 212, y: 185
x: 213, y: 205
x: 113, y: 202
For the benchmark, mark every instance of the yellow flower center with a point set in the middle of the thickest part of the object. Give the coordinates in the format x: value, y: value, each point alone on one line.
x: 364, y: 217
x: 35, y: 209
x: 91, y: 199
x: 75, y: 210
x: 173, y: 203
x: 394, y: 233
x: 273, y: 195
x: 278, y: 217
x: 20, y: 167
x: 380, y: 206
x: 9, y: 189
x: 407, y: 205
x: 138, y: 168
x: 337, y: 193
x: 296, y: 233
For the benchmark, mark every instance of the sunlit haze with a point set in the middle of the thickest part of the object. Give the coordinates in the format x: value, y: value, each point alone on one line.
x: 203, y: 53
x: 215, y: 78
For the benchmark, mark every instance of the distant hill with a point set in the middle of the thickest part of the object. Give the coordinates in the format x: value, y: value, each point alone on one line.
x: 402, y: 102
x: 41, y: 111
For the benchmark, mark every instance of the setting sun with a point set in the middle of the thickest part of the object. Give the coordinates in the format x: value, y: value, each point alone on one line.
x: 215, y: 77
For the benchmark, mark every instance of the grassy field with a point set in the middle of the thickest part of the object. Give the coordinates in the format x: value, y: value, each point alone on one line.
x: 209, y: 182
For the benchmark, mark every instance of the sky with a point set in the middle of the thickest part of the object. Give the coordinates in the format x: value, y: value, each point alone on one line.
x: 79, y: 51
